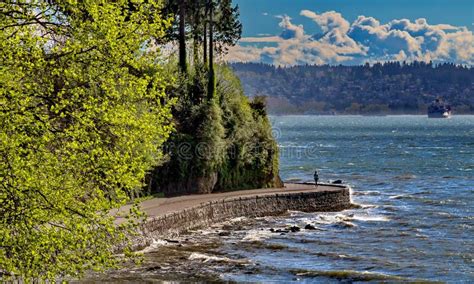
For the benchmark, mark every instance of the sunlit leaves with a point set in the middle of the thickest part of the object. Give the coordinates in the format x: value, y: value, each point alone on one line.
x: 83, y: 115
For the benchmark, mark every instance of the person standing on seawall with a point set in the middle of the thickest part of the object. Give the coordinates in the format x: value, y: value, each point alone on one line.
x: 316, y: 178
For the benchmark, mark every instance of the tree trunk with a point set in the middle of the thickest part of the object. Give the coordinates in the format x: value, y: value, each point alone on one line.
x: 182, y: 36
x: 196, y: 46
x: 205, y: 36
x: 212, y: 78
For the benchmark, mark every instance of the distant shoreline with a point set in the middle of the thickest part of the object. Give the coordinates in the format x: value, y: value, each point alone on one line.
x: 360, y: 115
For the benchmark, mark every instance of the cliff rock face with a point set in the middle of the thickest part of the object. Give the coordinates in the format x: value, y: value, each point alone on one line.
x: 221, y: 144
x: 206, y: 184
x: 190, y: 185
x: 278, y: 182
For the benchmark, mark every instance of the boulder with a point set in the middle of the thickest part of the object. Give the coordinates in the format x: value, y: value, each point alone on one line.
x: 295, y: 229
x: 310, y: 227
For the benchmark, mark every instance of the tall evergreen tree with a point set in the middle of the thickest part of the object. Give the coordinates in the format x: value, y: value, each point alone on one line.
x: 195, y: 20
x: 225, y: 30
x: 228, y: 28
x: 212, y: 77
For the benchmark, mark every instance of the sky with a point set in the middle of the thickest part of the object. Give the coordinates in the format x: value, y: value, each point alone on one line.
x: 348, y: 32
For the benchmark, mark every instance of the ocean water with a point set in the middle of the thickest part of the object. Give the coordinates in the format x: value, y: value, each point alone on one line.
x: 414, y: 178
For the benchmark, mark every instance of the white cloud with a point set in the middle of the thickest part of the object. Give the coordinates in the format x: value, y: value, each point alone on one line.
x: 365, y: 40
x: 328, y: 21
x: 262, y: 39
x: 245, y: 53
x: 290, y: 31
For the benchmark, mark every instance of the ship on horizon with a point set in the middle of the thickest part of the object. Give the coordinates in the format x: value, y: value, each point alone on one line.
x: 439, y: 109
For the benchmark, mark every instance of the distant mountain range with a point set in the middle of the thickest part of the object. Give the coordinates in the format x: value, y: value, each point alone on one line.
x: 389, y: 88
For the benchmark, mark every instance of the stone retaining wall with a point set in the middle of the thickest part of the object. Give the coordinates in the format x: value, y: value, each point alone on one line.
x: 172, y: 225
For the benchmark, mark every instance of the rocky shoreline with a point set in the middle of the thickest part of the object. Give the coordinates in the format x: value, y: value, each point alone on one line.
x: 183, y: 238
x: 296, y: 197
x: 201, y: 255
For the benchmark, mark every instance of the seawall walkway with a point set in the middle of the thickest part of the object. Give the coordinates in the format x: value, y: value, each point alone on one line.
x: 169, y: 217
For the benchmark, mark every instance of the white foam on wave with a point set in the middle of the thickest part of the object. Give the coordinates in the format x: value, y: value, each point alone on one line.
x: 331, y: 218
x: 366, y: 206
x: 294, y: 213
x: 301, y: 220
x: 338, y: 218
x: 257, y: 235
x: 266, y: 218
x: 366, y: 192
x: 400, y: 196
x: 156, y: 243
x: 210, y: 258
x: 375, y: 218
x: 238, y: 219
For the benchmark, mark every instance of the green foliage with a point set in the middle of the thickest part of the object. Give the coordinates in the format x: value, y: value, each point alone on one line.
x: 391, y: 87
x: 228, y: 28
x: 83, y: 113
x: 252, y: 152
x: 222, y: 143
x: 203, y: 21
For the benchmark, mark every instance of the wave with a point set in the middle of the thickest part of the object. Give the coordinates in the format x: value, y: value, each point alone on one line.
x: 375, y: 218
x: 368, y: 193
x: 257, y: 235
x: 405, y: 177
x: 364, y: 206
x: 352, y: 275
x: 238, y: 219
x: 156, y: 243
x: 212, y: 258
x: 338, y: 220
x: 336, y: 256
x: 401, y: 196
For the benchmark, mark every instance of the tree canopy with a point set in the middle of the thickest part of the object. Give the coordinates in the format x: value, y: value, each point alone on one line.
x: 89, y: 108
x: 210, y: 24
x: 83, y: 114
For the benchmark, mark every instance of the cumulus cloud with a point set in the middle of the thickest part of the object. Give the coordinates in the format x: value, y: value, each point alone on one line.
x: 328, y: 21
x: 364, y: 40
x: 290, y: 31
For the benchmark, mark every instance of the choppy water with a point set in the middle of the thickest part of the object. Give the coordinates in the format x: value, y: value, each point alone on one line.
x: 414, y: 177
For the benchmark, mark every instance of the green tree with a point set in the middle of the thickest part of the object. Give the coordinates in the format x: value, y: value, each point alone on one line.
x: 83, y: 113
x: 224, y: 30
x: 204, y: 21
x: 221, y: 144
x: 228, y: 28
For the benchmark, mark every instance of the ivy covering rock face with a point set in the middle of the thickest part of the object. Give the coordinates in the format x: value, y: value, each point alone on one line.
x: 222, y: 144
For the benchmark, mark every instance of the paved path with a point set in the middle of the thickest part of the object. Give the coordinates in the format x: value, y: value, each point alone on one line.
x: 160, y: 206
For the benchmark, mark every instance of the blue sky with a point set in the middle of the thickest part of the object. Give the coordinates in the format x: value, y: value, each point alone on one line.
x: 289, y: 32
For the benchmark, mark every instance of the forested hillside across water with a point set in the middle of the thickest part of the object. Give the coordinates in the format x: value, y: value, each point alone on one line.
x: 388, y: 88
